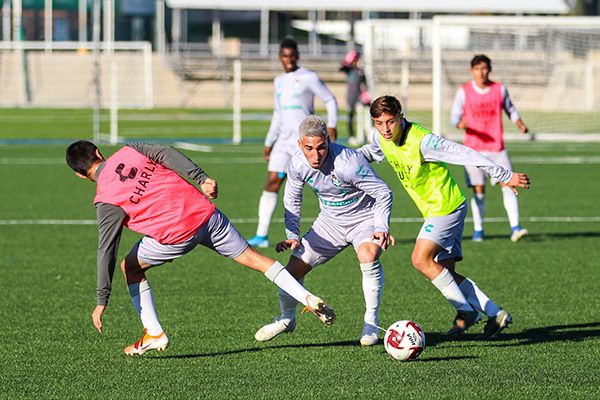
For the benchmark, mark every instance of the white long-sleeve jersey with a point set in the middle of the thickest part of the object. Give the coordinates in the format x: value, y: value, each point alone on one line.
x: 294, y: 100
x: 436, y: 148
x: 347, y: 187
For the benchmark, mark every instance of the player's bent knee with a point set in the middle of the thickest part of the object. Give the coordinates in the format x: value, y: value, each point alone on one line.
x: 368, y: 254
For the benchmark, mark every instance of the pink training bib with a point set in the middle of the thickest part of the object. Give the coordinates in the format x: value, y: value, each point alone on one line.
x: 158, y: 202
x: 483, y: 114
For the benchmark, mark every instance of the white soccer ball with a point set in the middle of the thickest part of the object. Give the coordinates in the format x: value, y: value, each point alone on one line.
x: 404, y: 340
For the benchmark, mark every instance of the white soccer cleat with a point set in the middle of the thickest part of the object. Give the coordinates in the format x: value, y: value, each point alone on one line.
x: 322, y: 310
x: 517, y: 233
x: 278, y: 327
x: 148, y: 342
x: 369, y: 335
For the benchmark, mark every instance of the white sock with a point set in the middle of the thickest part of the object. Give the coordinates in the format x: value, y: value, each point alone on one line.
x: 143, y: 302
x: 288, y: 304
x: 282, y: 278
x: 478, y: 299
x: 511, y: 205
x: 478, y: 210
x: 447, y: 285
x: 372, y: 284
x: 266, y: 208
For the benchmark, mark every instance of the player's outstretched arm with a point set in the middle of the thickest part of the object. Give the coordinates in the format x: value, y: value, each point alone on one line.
x: 518, y: 179
x: 287, y: 244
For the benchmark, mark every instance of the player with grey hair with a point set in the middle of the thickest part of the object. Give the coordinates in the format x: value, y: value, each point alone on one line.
x: 355, y: 210
x: 295, y: 92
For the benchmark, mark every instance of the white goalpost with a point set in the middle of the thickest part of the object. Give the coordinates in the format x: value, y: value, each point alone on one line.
x: 549, y: 64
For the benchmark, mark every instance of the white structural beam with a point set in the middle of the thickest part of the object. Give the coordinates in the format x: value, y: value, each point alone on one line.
x: 431, y: 6
x: 160, y: 38
x: 82, y: 19
x: 264, y: 32
x: 109, y: 24
x: 6, y: 21
x: 17, y: 13
x: 48, y: 24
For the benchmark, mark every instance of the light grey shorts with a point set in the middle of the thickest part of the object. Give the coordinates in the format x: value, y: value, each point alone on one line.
x: 280, y: 157
x: 476, y: 177
x: 446, y: 231
x: 326, y: 239
x: 218, y: 234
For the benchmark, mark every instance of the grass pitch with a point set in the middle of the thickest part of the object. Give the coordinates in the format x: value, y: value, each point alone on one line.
x: 211, y: 307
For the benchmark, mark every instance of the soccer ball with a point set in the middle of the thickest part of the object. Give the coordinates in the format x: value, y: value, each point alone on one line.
x: 404, y: 340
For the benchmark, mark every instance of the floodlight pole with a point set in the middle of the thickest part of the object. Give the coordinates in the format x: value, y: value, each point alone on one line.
x: 48, y: 25
x: 6, y: 21
x: 97, y: 70
x: 83, y: 21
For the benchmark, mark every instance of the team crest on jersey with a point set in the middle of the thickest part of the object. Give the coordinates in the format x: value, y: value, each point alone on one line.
x: 336, y: 182
x: 297, y: 84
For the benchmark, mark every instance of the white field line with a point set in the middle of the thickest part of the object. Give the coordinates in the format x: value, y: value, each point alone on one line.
x: 6, y: 222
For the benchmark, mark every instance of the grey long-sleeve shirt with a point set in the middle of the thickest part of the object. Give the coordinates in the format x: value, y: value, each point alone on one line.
x: 347, y: 188
x: 436, y: 148
x: 111, y: 218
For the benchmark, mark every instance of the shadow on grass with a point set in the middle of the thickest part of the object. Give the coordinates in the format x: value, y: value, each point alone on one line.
x: 262, y: 348
x: 546, y: 334
x: 541, y: 237
x: 550, y: 334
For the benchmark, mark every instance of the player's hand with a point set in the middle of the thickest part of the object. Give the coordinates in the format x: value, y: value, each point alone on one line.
x: 332, y: 132
x: 521, y: 125
x: 209, y: 188
x: 97, y: 317
x: 462, y: 124
x: 267, y: 153
x: 518, y: 180
x: 287, y: 244
x: 384, y: 239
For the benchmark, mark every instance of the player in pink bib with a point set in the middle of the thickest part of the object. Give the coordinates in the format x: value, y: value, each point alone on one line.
x: 477, y: 109
x: 140, y: 187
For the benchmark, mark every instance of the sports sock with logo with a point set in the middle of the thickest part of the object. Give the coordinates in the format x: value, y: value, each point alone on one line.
x: 511, y: 205
x: 478, y: 210
x: 143, y: 302
x: 372, y: 284
x: 266, y: 208
x: 477, y: 299
x: 447, y: 286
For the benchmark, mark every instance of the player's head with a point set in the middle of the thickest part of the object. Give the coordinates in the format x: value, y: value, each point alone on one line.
x: 313, y: 140
x: 481, y: 66
x: 82, y: 156
x: 386, y: 112
x: 288, y: 54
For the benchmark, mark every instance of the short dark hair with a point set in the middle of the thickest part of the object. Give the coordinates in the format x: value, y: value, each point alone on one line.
x: 81, y: 156
x: 481, y: 58
x: 386, y: 104
x: 288, y: 43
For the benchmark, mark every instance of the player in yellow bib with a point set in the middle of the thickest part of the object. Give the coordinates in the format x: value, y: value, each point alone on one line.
x: 419, y: 159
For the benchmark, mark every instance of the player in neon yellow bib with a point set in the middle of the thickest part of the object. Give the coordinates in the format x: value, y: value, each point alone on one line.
x: 419, y: 159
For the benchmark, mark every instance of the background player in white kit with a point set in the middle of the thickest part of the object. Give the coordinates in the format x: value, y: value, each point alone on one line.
x: 355, y: 210
x: 295, y: 91
x: 478, y: 109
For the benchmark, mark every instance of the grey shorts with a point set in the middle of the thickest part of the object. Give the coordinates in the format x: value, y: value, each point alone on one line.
x: 446, y: 231
x: 218, y: 234
x: 476, y: 177
x: 326, y: 239
x: 280, y: 156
